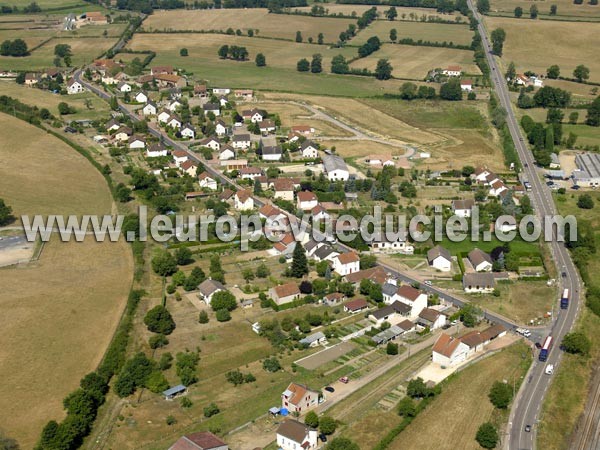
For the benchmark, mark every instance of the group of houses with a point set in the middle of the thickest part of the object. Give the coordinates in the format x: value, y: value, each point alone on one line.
x: 466, y: 84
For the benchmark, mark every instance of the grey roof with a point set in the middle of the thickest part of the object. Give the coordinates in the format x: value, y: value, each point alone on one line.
x: 387, y: 335
x: 211, y: 107
x: 310, y: 245
x: 334, y: 162
x: 272, y: 150
x: 312, y: 338
x: 396, y: 307
x: 307, y: 144
x: 241, y: 137
x: 463, y: 204
x: 389, y: 289
x: 554, y: 158
x: 478, y: 256
x: 589, y: 165
x: 324, y: 251
x: 436, y: 251
x: 174, y: 390
x: 209, y: 287
x: 480, y: 279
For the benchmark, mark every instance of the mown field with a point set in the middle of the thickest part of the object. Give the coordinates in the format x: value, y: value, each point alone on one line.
x: 453, y: 418
x: 268, y: 25
x: 414, y: 62
x: 585, y: 135
x: 59, y: 312
x: 55, y: 5
x: 436, y: 32
x: 566, y: 8
x: 546, y: 44
x: 404, y: 13
x: 279, y: 75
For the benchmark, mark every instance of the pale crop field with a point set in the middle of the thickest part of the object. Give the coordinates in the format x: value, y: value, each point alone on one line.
x: 59, y: 312
x: 567, y: 44
x: 414, y: 62
x: 333, y: 8
x: 271, y: 25
x: 566, y: 8
x: 435, y: 32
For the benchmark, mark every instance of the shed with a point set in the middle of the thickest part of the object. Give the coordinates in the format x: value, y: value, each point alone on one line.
x: 175, y: 392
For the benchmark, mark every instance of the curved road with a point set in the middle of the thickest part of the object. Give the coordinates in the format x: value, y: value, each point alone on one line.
x: 526, y: 409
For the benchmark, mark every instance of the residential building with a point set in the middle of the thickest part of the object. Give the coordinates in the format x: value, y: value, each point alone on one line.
x: 319, y: 213
x: 212, y: 143
x: 346, y: 263
x: 163, y: 116
x: 314, y: 340
x: 284, y: 189
x: 412, y: 297
x: 188, y: 131
x: 480, y: 260
x: 397, y: 245
x: 221, y: 91
x: 234, y: 164
x: 479, y: 282
x: 174, y: 122
x: 204, y: 440
x: 124, y: 86
x: 463, y: 208
x: 395, y: 312
x: 241, y: 141
x: 149, y: 109
x: 466, y: 84
x: 431, y: 318
x: 334, y: 298
x: 439, y: 258
x: 220, y: 128
x: 208, y: 288
x: 449, y: 351
x: 140, y: 97
x: 170, y: 81
x: 293, y: 435
x: 306, y: 200
x: 298, y: 398
x: 250, y: 173
x: 200, y: 91
x: 243, y: 200
x: 272, y: 153
x: 305, y: 130
x: 284, y: 293
x: 74, y: 86
x: 309, y: 150
x: 214, y: 108
x: 335, y: 168
x: 226, y: 153
x: 355, y: 306
x: 189, y: 167
x: 452, y: 71
x: 266, y: 126
x: 123, y: 133
x: 244, y: 94
x: 179, y: 157
x: 375, y: 274
x: 254, y: 115
x: 137, y: 142
x: 112, y: 125
x: 206, y: 181
x: 380, y: 160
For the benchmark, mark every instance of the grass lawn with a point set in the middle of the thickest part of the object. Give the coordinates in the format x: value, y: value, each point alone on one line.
x: 529, y: 54
x: 566, y: 8
x: 586, y: 135
x: 57, y: 4
x: 435, y: 32
x: 268, y: 25
x: 453, y: 418
x: 517, y: 245
x: 61, y: 310
x: 413, y: 62
x: 46, y: 99
x: 279, y: 75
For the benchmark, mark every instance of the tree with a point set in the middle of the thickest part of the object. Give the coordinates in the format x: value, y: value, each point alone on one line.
x: 114, y: 103
x: 573, y: 117
x: 498, y: 36
x: 383, y: 71
x: 164, y: 264
x: 203, y: 317
x: 316, y: 65
x: 223, y: 315
x: 183, y: 256
x: 500, y: 395
x: 339, y: 65
x: 391, y: 348
x: 407, y: 407
x: 391, y: 13
x: 487, y: 435
x: 303, y: 65
x: 417, y: 388
x: 158, y: 341
x: 483, y: 6
x: 298, y: 36
x: 211, y: 410
x: 223, y: 51
x: 585, y: 201
x: 341, y: 443
x: 260, y: 60
x: 553, y: 72
x: 262, y: 271
x: 511, y: 72
x: 6, y: 216
x: 393, y: 35
x: 553, y: 10
x: 271, y: 364
x: 533, y: 11
x: 408, y: 91
x: 581, y: 73
x: 62, y: 50
x: 223, y: 300
x: 451, y: 90
x: 327, y: 425
x: 576, y: 343
x: 593, y: 113
x: 320, y: 38
x: 235, y: 377
x: 311, y: 419
x: 299, y: 266
x: 64, y: 109
x: 159, y: 320
x: 183, y: 52
x: 518, y: 12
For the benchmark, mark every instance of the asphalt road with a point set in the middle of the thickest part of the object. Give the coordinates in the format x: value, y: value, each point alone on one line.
x: 11, y: 241
x: 526, y: 410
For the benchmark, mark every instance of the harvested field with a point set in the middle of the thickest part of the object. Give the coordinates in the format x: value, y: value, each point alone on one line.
x: 417, y: 13
x: 414, y: 62
x: 60, y: 311
x: 566, y: 8
x: 435, y: 32
x: 530, y: 54
x: 269, y: 25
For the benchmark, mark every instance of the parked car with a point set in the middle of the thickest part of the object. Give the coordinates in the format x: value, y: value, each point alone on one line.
x: 323, y: 437
x: 344, y: 380
x: 528, y: 428
x: 538, y: 345
x: 329, y: 389
x: 575, y: 187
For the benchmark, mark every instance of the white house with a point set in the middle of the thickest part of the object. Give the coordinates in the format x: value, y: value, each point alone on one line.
x: 314, y: 340
x: 220, y: 128
x: 123, y: 134
x: 155, y: 150
x: 206, y: 181
x: 412, y: 297
x: 149, y: 109
x: 163, y: 116
x: 272, y: 153
x: 211, y: 143
x: 123, y: 86
x: 335, y: 168
x: 306, y: 200
x: 479, y: 283
x: 380, y: 160
x: 319, y: 212
x: 449, y: 351
x: 113, y: 125
x: 175, y: 105
x: 466, y: 85
x: 439, y: 258
x: 309, y: 150
x: 214, y: 108
x: 397, y: 245
x: 226, y: 153
x: 431, y: 318
x: 284, y: 293
x: 452, y: 71
x: 141, y: 97
x: 463, y: 208
x: 243, y: 201
x: 241, y: 141
x: 480, y: 260
x: 74, y: 87
x: 189, y: 167
x: 293, y: 435
x: 346, y: 263
x: 137, y: 142
x: 298, y: 398
x: 221, y: 91
x: 253, y: 115
x: 188, y: 131
x: 174, y: 122
x: 284, y: 189
x: 266, y: 126
x: 250, y: 173
x: 208, y: 288
x: 179, y: 157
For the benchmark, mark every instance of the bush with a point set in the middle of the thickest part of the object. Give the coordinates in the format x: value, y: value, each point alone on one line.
x: 312, y: 419
x: 223, y: 315
x: 327, y: 425
x: 171, y: 420
x: 585, y: 201
x: 186, y: 403
x: 500, y: 395
x: 576, y: 343
x: 487, y: 435
x: 211, y: 410
x: 271, y: 364
x: 203, y: 317
x: 407, y: 407
x: 391, y: 349
x: 159, y: 320
x: 223, y: 300
x: 158, y: 341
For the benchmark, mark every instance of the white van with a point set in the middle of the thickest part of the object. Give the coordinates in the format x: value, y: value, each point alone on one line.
x: 549, y: 369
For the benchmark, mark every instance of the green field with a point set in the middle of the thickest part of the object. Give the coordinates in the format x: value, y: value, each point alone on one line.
x: 436, y: 32
x: 586, y: 135
x: 414, y: 62
x: 75, y: 6
x: 279, y: 75
x: 566, y: 8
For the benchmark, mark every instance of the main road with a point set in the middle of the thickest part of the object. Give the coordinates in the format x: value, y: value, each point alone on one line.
x: 527, y: 405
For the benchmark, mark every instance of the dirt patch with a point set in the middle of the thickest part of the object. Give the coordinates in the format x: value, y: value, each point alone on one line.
x: 312, y: 362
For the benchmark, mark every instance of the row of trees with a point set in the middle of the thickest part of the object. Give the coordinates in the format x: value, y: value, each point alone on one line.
x: 234, y: 52
x: 18, y: 47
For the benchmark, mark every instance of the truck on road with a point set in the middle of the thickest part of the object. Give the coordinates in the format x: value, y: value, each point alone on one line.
x: 564, y: 300
x: 545, y: 350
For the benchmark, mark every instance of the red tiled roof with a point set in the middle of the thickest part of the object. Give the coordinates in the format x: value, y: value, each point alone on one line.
x: 355, y: 305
